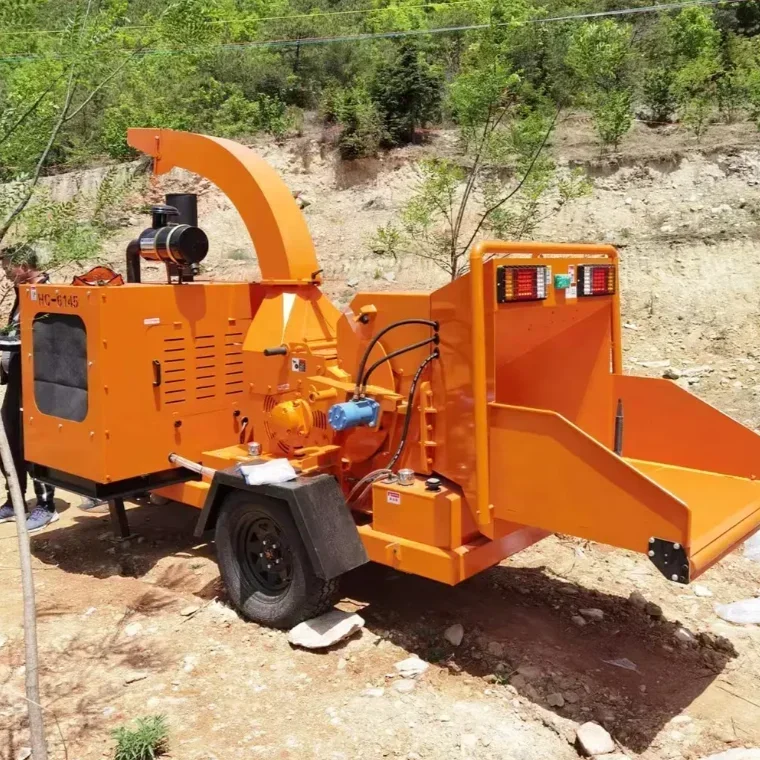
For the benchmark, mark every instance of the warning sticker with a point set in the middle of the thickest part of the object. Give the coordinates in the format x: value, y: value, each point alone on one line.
x: 33, y: 294
x: 152, y: 321
x: 298, y: 365
x: 394, y: 497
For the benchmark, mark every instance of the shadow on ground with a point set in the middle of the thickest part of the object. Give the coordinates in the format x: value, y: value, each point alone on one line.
x: 518, y: 623
x: 519, y: 631
x: 84, y: 544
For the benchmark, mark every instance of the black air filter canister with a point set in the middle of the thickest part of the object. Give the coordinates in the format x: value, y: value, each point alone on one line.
x: 187, y: 206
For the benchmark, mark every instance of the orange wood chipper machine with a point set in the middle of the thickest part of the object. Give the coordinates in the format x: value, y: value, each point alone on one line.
x: 437, y: 433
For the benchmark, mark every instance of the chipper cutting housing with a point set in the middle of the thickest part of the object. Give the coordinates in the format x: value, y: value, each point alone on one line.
x: 437, y: 433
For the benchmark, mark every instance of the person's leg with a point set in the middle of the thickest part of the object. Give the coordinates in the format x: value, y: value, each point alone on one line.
x: 44, y: 512
x: 45, y: 495
x: 11, y: 416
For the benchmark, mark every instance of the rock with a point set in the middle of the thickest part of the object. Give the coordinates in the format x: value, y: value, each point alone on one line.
x: 656, y: 364
x: 135, y: 677
x: 571, y: 697
x: 637, y: 599
x: 24, y: 753
x: 342, y: 663
x: 496, y: 648
x: 692, y: 371
x: 624, y: 663
x: 390, y: 276
x: 133, y: 629
x: 454, y: 634
x: 653, y: 610
x: 578, y: 620
x: 530, y: 672
x: 468, y: 741
x: 353, y: 282
x: 593, y: 740
x: 555, y: 700
x: 378, y: 692
x: 3, y: 641
x: 593, y: 614
x: 326, y: 630
x: 685, y: 636
x: 190, y: 610
x: 671, y: 373
x: 405, y: 686
x: 89, y: 611
x: 411, y: 667
x: 736, y: 754
x: 444, y: 718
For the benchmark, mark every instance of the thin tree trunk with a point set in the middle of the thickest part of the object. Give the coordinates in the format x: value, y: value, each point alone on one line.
x: 36, y: 725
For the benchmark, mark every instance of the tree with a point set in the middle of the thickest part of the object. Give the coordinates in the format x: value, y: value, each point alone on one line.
x: 361, y: 126
x: 52, y: 91
x: 407, y: 91
x: 455, y: 201
x: 694, y: 41
x: 599, y: 56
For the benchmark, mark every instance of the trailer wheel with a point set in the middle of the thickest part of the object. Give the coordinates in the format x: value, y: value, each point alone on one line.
x: 264, y: 564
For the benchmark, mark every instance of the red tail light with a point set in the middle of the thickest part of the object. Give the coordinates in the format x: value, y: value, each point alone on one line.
x: 596, y: 280
x: 521, y: 283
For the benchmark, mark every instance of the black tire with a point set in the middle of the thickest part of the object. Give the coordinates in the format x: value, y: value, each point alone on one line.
x: 275, y: 586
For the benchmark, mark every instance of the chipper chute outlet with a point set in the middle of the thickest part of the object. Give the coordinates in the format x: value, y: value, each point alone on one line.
x: 437, y: 433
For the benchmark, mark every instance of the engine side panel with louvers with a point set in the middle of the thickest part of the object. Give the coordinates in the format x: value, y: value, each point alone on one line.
x: 202, y: 369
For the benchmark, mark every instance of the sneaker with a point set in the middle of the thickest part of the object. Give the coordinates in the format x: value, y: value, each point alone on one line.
x: 6, y: 513
x: 40, y: 518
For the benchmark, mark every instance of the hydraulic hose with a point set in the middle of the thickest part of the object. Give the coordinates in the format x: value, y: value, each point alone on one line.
x: 409, y: 406
x: 373, y: 342
x: 365, y: 380
x: 371, y: 477
x: 188, y: 464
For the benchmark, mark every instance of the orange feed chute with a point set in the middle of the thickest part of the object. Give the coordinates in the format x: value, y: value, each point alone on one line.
x: 498, y: 401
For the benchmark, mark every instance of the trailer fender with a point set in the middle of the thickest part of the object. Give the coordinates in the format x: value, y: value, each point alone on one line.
x: 318, y: 508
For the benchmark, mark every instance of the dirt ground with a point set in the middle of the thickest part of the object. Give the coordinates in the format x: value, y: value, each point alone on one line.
x: 115, y: 646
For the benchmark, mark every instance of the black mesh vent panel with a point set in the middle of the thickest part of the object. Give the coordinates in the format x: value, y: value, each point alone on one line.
x: 60, y: 365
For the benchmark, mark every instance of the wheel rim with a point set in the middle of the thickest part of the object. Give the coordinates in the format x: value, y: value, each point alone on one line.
x: 266, y: 559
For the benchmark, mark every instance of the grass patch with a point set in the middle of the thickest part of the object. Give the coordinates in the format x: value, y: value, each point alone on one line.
x: 150, y: 739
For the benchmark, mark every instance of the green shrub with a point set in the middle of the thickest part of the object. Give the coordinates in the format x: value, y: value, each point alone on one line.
x: 147, y: 741
x: 361, y: 124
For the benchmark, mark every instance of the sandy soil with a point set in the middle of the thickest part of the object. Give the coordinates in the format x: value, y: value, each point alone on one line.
x: 115, y: 645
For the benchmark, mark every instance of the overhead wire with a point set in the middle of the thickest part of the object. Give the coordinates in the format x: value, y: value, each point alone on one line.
x: 360, y: 37
x: 254, y: 18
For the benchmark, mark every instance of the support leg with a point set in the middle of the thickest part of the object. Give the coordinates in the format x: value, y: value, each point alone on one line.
x: 119, y: 522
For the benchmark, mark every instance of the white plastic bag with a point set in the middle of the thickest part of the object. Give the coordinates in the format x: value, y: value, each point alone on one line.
x: 743, y: 612
x: 273, y: 471
x: 752, y: 548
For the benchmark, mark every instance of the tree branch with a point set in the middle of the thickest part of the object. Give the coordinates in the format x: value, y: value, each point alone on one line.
x: 105, y: 81
x: 520, y: 184
x: 29, y: 111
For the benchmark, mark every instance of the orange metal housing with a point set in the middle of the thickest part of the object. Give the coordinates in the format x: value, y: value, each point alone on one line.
x: 517, y: 414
